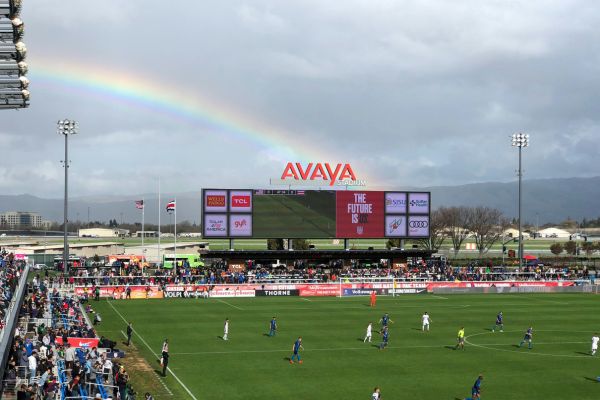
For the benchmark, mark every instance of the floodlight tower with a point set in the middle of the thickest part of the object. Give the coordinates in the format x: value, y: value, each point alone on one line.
x: 66, y: 127
x: 520, y: 140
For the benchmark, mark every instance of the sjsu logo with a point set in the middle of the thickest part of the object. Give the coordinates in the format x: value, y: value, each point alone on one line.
x: 395, y: 202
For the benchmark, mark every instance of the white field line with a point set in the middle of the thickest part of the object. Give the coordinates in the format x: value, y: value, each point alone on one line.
x: 305, y: 299
x: 366, y: 347
x: 230, y: 305
x: 438, y: 297
x: 152, y: 351
x: 390, y: 307
x: 160, y: 378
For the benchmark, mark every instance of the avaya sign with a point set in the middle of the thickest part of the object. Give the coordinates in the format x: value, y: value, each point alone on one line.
x: 315, y: 214
x: 320, y: 174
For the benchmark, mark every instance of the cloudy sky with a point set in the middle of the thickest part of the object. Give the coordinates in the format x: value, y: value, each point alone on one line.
x: 225, y: 92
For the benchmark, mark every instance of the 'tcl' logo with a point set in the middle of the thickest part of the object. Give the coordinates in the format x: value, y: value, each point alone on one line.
x: 240, y: 201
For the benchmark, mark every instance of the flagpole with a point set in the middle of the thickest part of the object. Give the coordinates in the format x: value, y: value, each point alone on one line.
x: 143, y: 234
x: 159, y: 206
x: 175, y: 236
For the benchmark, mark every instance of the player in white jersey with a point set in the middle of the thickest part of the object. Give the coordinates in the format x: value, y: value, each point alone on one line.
x: 376, y: 394
x: 595, y: 340
x: 426, y: 320
x: 226, y: 329
x: 369, y: 332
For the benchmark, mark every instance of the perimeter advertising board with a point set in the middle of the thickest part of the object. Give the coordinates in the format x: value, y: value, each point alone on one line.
x: 314, y: 214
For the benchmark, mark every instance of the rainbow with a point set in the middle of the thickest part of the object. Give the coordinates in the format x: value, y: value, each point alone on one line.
x: 176, y: 103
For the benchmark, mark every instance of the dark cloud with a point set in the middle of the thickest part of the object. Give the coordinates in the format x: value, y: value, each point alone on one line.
x: 411, y: 92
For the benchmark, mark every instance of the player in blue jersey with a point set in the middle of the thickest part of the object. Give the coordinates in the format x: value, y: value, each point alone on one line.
x: 528, y: 338
x: 385, y: 320
x: 476, y: 389
x: 273, y: 327
x: 296, y: 349
x: 499, y: 322
x: 385, y: 335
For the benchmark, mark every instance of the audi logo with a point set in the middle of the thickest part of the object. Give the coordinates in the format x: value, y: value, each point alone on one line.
x: 418, y: 224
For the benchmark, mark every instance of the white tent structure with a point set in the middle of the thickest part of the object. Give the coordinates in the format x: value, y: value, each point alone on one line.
x: 554, y: 233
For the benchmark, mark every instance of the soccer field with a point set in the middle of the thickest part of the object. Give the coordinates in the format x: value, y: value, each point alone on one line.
x: 338, y: 365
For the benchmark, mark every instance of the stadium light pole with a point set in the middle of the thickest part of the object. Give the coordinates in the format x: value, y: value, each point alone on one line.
x: 520, y: 140
x: 66, y: 127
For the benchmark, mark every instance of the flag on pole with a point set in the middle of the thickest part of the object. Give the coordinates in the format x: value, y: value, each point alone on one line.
x: 139, y: 204
x: 171, y: 206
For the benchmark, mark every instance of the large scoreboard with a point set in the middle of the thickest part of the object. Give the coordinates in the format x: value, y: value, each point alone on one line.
x: 314, y: 214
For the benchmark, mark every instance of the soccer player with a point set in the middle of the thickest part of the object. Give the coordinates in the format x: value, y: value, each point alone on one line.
x: 373, y: 299
x: 376, y: 394
x: 385, y: 320
x: 595, y: 340
x: 476, y: 389
x: 499, y: 323
x: 460, y: 339
x: 164, y: 360
x: 425, y: 319
x: 273, y: 327
x: 385, y: 337
x: 296, y: 349
x: 226, y: 329
x: 527, y: 338
x: 369, y: 332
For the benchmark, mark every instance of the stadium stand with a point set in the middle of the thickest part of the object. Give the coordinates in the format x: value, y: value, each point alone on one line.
x: 55, y: 353
x: 14, y: 92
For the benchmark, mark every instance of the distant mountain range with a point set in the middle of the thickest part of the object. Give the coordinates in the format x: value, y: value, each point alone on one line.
x: 544, y: 201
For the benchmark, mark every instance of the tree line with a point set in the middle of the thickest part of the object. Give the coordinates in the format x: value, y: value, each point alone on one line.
x: 455, y: 224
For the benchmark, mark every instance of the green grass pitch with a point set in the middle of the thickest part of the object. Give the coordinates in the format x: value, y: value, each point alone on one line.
x: 338, y: 365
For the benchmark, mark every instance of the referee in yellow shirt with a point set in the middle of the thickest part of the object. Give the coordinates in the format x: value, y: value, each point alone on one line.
x: 460, y: 339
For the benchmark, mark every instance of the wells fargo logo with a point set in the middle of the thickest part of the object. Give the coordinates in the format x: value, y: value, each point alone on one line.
x: 215, y: 201
x: 341, y: 174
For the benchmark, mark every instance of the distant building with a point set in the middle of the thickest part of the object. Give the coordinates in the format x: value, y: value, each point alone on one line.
x: 190, y: 235
x: 147, y: 234
x: 103, y: 232
x: 554, y: 233
x: 23, y: 220
x: 511, y: 233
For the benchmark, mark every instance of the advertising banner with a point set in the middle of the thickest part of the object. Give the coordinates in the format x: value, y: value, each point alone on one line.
x: 240, y: 201
x: 418, y: 203
x: 220, y: 292
x: 288, y: 292
x: 82, y: 343
x: 215, y: 200
x: 325, y: 289
x: 418, y: 226
x: 362, y: 292
x: 240, y: 225
x: 215, y: 225
x: 395, y: 225
x: 395, y: 203
x: 359, y: 214
x: 118, y: 292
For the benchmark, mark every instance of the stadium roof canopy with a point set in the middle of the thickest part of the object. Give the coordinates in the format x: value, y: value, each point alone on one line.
x: 316, y: 255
